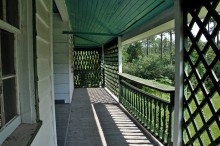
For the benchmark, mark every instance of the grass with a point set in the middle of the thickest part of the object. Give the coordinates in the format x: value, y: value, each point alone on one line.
x: 206, y: 113
x: 213, y: 128
x: 162, y: 95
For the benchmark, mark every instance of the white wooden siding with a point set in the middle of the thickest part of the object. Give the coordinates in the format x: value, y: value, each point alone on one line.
x: 62, y: 65
x: 61, y: 79
x: 47, y: 133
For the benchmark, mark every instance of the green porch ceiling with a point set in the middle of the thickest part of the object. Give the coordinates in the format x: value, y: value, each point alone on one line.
x: 95, y: 22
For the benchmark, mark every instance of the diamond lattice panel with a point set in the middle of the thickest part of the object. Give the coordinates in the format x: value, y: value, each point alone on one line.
x: 111, y: 66
x: 201, y: 121
x: 87, y: 68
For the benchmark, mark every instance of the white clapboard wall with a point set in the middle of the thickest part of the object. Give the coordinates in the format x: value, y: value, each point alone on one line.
x: 63, y: 79
x: 47, y: 133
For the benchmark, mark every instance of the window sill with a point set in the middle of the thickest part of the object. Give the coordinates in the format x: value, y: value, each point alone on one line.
x: 23, y: 135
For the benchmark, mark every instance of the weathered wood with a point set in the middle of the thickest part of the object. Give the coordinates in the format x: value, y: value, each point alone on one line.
x: 42, y: 12
x: 43, y: 61
x: 137, y: 101
x: 62, y: 61
x: 43, y: 49
x: 149, y: 83
x: 77, y: 126
x: 44, y: 68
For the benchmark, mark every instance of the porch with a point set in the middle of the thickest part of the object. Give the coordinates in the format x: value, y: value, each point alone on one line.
x: 50, y: 47
x: 94, y: 118
x: 97, y: 62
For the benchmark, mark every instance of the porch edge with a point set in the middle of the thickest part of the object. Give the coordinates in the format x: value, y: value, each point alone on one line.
x: 148, y: 134
x: 101, y: 133
x: 112, y: 95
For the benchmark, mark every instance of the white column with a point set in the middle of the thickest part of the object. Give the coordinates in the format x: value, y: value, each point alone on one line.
x: 179, y: 75
x: 103, y: 65
x: 52, y: 75
x: 103, y: 53
x: 119, y: 55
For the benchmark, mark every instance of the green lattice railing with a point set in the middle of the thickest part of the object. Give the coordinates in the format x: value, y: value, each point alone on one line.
x: 87, y: 67
x: 153, y: 112
x: 201, y: 122
x: 111, y: 66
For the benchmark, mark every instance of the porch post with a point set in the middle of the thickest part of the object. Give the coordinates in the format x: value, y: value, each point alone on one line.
x: 103, y: 66
x: 103, y: 54
x: 179, y: 75
x: 119, y: 55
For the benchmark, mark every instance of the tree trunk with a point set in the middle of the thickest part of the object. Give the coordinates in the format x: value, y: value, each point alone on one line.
x: 161, y: 46
x: 147, y: 47
x: 171, y: 42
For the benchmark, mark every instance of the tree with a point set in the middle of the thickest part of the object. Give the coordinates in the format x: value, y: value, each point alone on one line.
x: 171, y: 46
x: 134, y: 51
x: 161, y: 46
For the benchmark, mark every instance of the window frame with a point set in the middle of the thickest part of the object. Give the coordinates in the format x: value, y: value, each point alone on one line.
x: 13, y: 123
x: 10, y: 126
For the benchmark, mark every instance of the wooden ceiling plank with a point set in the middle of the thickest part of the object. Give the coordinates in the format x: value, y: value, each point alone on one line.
x: 88, y: 33
x: 139, y: 7
x: 98, y: 6
x: 87, y: 39
x: 106, y: 7
x: 90, y: 12
x: 141, y: 15
x: 86, y: 15
x: 123, y: 12
x: 93, y: 21
x: 105, y: 17
x: 124, y: 18
x: 74, y: 14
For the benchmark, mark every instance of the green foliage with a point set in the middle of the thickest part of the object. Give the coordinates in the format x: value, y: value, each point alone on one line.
x: 165, y: 96
x: 164, y: 80
x: 169, y: 73
x: 134, y: 51
x: 143, y: 58
x: 151, y: 67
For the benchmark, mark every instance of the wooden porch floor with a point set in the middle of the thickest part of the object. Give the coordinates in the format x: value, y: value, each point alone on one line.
x: 94, y: 119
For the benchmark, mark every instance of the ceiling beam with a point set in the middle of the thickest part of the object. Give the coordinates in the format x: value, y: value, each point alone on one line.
x: 62, y: 9
x: 156, y: 30
x: 87, y: 39
x: 140, y: 32
x: 87, y: 46
x: 89, y: 33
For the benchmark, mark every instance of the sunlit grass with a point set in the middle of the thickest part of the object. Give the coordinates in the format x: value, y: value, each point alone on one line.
x: 206, y: 114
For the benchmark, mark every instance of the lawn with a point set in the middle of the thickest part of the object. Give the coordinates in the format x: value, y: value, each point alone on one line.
x: 206, y: 113
x: 213, y: 128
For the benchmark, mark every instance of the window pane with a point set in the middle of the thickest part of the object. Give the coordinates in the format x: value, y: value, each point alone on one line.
x: 12, y: 12
x: 7, y: 51
x: 1, y: 112
x: 1, y: 9
x: 10, y: 102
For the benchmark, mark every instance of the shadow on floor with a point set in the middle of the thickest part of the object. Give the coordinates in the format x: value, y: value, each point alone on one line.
x: 62, y: 119
x: 118, y: 129
x: 76, y: 125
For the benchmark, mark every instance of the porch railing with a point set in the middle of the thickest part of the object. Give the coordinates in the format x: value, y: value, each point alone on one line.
x: 153, y: 112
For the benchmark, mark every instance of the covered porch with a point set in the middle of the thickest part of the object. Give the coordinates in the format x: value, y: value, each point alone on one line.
x: 50, y: 49
x: 94, y: 118
x: 97, y: 62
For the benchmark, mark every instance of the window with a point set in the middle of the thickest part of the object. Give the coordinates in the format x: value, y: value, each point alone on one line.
x: 8, y: 100
x: 1, y: 9
x: 9, y: 12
